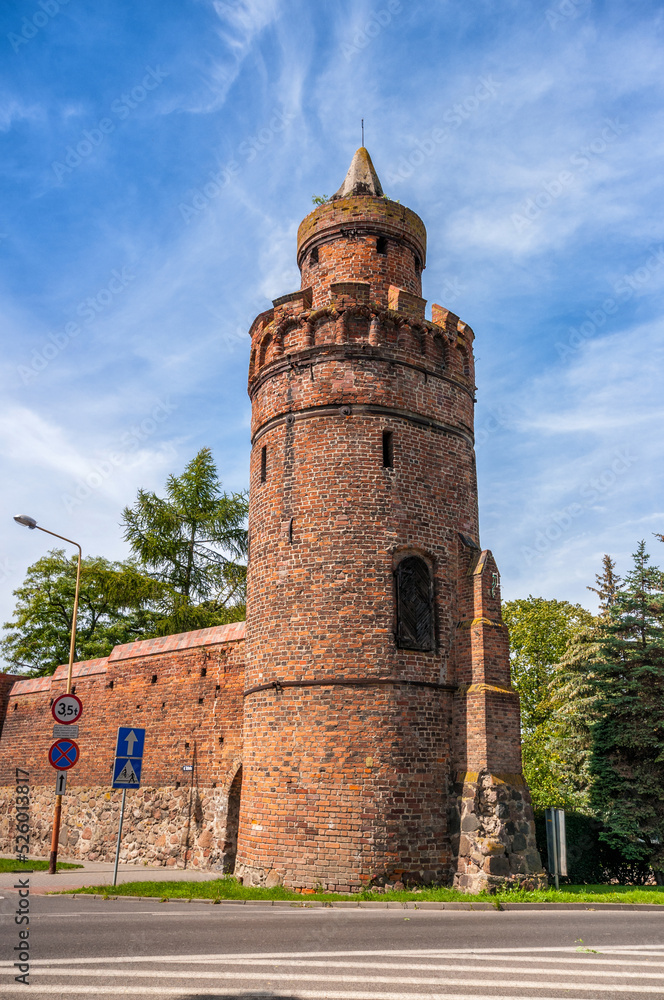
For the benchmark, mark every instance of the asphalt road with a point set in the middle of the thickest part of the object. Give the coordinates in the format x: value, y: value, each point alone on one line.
x: 82, y: 947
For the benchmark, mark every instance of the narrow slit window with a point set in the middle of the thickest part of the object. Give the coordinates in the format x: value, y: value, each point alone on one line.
x: 388, y: 450
x: 154, y: 679
x: 264, y: 463
x: 381, y: 246
x: 414, y: 594
x: 313, y: 259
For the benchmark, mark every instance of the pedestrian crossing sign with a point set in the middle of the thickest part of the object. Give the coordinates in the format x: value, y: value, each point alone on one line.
x: 127, y: 772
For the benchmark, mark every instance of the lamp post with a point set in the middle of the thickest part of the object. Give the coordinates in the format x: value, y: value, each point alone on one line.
x: 30, y: 522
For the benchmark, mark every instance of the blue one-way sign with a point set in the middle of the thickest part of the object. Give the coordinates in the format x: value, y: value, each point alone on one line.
x: 128, y: 757
x: 130, y: 742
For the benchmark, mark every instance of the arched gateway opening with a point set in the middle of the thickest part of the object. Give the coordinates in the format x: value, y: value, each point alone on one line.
x: 232, y: 822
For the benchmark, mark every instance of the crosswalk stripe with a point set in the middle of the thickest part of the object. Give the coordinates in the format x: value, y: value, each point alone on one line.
x: 116, y: 991
x: 298, y: 977
x: 46, y: 968
x: 487, y: 954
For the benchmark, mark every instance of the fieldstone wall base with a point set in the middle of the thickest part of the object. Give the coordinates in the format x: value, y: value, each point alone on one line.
x: 495, y: 834
x: 172, y: 827
x: 250, y: 875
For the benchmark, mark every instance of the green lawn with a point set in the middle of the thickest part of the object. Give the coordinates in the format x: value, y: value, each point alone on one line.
x: 10, y: 865
x: 229, y: 888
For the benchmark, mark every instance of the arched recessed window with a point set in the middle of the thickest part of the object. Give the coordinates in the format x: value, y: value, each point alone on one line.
x: 414, y: 594
x: 463, y: 360
x: 313, y: 256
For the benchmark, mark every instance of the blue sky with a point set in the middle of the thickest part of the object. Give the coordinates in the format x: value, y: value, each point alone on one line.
x: 158, y: 157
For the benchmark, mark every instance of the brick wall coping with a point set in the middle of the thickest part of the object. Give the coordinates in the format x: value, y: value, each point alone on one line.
x: 234, y: 632
x: 85, y: 668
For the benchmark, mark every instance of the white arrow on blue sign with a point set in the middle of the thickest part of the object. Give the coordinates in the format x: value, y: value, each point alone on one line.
x: 128, y: 757
x: 131, y: 741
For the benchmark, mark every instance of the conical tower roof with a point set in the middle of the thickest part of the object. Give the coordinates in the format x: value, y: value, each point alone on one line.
x: 361, y: 178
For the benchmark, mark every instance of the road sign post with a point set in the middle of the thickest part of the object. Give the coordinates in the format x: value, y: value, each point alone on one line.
x: 126, y: 773
x: 556, y: 843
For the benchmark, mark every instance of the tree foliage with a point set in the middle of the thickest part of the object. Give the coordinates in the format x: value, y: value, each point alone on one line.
x: 186, y: 575
x: 540, y: 632
x: 193, y: 538
x: 114, y: 607
x: 627, y: 737
x: 608, y: 585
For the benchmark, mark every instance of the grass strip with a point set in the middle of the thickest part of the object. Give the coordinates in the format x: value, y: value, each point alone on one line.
x: 11, y: 865
x: 229, y: 888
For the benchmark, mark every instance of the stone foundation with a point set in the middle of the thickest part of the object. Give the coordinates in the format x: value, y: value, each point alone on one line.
x: 495, y: 834
x: 174, y: 827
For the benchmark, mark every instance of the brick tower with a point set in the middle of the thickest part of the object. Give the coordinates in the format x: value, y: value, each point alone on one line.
x: 381, y: 733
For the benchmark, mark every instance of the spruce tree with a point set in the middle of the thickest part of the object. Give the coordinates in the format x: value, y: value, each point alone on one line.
x: 627, y: 752
x: 608, y: 584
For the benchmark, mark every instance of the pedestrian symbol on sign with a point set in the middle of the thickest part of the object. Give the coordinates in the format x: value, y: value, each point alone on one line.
x: 127, y: 775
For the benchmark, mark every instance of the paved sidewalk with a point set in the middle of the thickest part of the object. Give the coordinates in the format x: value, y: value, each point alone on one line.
x: 101, y: 873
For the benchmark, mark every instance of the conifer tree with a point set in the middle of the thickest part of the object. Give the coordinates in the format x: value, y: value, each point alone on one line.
x: 608, y: 584
x: 627, y: 753
x: 193, y: 538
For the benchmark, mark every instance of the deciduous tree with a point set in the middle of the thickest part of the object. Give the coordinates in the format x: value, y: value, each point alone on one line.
x: 114, y: 607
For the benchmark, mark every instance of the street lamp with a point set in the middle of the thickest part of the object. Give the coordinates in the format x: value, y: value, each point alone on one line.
x: 30, y: 522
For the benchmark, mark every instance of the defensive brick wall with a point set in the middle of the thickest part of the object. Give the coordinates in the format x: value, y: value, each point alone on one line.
x: 186, y: 690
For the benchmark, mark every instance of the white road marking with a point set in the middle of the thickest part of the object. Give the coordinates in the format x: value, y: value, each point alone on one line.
x: 493, y: 954
x: 44, y: 967
x: 303, y: 977
x: 133, y: 991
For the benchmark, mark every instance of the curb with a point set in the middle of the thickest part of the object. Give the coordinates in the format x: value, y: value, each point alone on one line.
x: 388, y: 905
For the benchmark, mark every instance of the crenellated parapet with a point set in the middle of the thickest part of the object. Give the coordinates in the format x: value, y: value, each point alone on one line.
x: 351, y: 315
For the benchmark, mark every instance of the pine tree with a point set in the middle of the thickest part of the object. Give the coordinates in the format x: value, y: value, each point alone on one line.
x: 627, y: 753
